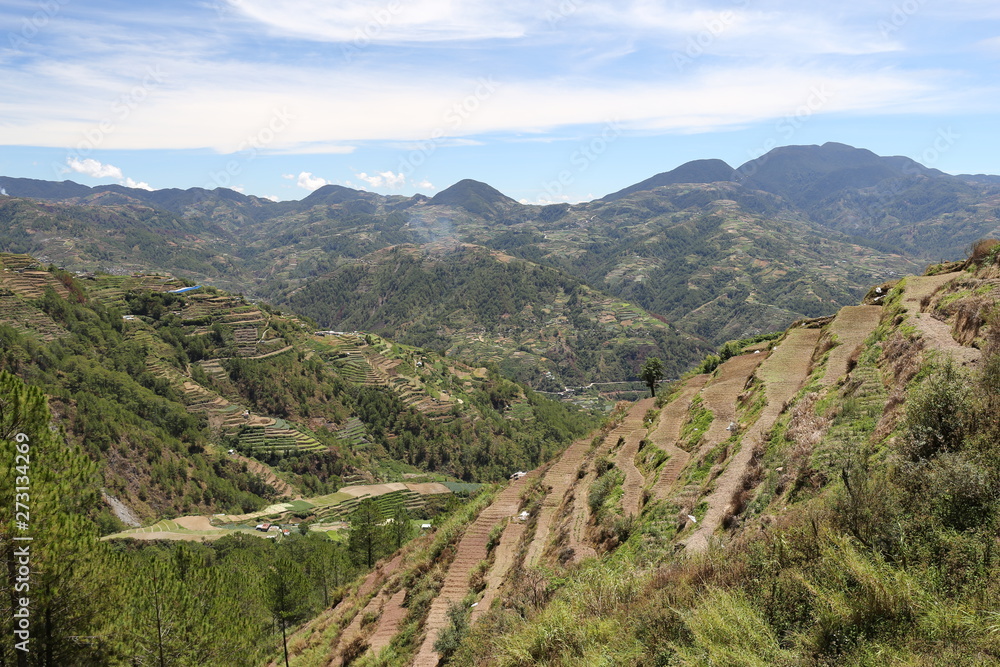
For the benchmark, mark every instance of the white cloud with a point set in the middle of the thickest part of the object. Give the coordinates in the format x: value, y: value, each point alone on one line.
x: 3, y: 192
x: 358, y: 22
x: 384, y: 179
x: 139, y: 185
x: 271, y: 197
x: 710, y: 99
x: 310, y: 182
x: 94, y: 169
x: 426, y: 185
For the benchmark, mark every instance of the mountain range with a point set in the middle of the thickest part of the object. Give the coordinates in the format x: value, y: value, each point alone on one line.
x: 705, y: 252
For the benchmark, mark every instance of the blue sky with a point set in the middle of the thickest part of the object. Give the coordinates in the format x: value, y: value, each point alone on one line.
x: 551, y: 100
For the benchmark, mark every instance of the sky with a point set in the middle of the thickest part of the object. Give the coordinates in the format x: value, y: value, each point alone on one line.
x: 547, y: 100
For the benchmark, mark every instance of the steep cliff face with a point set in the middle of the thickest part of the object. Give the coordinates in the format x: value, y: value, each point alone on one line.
x: 821, y: 497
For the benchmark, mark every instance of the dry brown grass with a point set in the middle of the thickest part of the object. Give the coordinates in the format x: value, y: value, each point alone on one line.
x: 981, y: 248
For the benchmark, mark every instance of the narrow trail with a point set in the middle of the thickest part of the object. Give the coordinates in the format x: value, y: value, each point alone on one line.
x: 668, y: 431
x: 937, y: 335
x: 852, y: 326
x: 471, y: 550
x: 783, y: 373
x: 720, y: 395
x: 506, y: 550
x: 634, y: 480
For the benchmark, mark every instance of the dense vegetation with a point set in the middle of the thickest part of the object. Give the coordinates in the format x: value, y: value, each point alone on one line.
x: 97, y: 603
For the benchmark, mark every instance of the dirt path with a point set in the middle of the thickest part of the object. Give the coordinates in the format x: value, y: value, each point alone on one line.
x: 783, y: 374
x: 937, y: 335
x: 506, y: 550
x: 852, y: 326
x: 471, y: 550
x: 668, y: 431
x: 720, y: 395
x: 634, y: 481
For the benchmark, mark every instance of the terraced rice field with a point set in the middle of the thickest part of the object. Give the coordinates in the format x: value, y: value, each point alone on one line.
x: 18, y: 314
x: 721, y: 393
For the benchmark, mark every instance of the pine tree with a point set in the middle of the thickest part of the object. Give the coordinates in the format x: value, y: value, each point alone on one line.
x: 65, y: 557
x: 367, y: 534
x: 288, y: 596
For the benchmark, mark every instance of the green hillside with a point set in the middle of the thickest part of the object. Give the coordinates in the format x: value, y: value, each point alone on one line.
x: 536, y: 324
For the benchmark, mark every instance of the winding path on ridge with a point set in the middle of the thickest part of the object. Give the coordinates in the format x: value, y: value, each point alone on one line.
x: 936, y: 334
x: 668, y: 432
x: 471, y: 549
x: 783, y: 373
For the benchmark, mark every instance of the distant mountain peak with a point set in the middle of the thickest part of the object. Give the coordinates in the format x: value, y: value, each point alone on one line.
x: 475, y: 197
x: 333, y: 194
x: 695, y: 171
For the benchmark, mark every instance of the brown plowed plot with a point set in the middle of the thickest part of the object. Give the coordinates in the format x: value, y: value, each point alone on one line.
x: 783, y: 374
x: 917, y: 287
x: 634, y: 480
x: 559, y: 477
x: 632, y: 486
x: 720, y: 395
x: 580, y: 518
x: 354, y: 629
x: 471, y: 550
x: 668, y: 431
x: 506, y: 550
x: 936, y: 334
x: 852, y: 326
x: 393, y: 614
